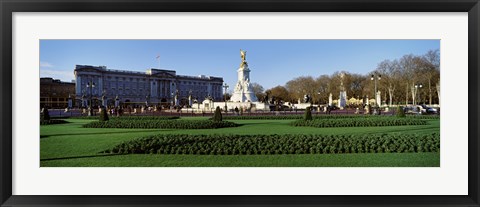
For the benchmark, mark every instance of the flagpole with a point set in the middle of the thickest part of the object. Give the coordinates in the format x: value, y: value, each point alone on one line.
x: 158, y: 58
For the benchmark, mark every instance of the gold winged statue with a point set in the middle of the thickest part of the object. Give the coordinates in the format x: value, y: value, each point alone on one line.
x: 243, y: 55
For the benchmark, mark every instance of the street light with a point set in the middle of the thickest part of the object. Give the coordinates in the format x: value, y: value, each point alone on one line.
x: 90, y: 85
x: 225, y: 86
x: 417, y: 87
x: 319, y: 99
x: 375, y: 77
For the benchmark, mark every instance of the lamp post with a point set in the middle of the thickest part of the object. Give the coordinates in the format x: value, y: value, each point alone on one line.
x: 225, y: 86
x: 417, y: 87
x: 374, y: 78
x: 90, y: 85
x: 319, y: 99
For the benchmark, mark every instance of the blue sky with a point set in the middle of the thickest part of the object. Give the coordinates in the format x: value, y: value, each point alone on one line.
x: 272, y: 62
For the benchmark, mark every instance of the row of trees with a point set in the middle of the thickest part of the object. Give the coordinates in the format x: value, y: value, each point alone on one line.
x: 399, y: 83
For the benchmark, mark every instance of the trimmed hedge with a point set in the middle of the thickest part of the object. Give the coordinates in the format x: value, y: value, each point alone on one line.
x: 218, y: 115
x: 424, y: 116
x: 160, y: 124
x: 308, y: 114
x: 400, y: 112
x: 129, y: 117
x: 281, y: 117
x: 278, y: 144
x: 53, y: 121
x: 367, y: 122
x: 322, y: 116
x: 104, y: 115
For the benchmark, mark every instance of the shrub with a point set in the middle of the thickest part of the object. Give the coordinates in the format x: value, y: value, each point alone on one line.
x: 365, y: 122
x: 218, y: 115
x: 278, y: 144
x: 103, y: 114
x: 45, y: 115
x: 286, y: 117
x: 133, y: 117
x: 160, y: 124
x: 308, y: 114
x: 400, y: 112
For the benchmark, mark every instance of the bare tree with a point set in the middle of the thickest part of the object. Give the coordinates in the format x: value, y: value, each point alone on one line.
x: 301, y: 86
x: 323, y: 88
x: 391, y: 74
x: 431, y: 70
x: 258, y: 91
x: 279, y: 93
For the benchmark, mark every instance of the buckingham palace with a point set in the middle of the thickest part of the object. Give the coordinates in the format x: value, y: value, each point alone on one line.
x: 153, y: 87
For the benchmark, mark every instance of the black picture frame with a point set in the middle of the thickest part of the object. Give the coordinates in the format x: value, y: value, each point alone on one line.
x: 7, y: 7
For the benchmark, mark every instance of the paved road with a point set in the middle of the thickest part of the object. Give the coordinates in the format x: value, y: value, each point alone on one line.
x: 78, y: 112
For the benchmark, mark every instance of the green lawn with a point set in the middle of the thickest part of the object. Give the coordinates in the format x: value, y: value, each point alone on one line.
x: 71, y: 145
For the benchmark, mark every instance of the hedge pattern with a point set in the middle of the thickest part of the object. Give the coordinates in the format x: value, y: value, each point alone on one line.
x: 281, y: 117
x: 423, y: 116
x: 366, y: 122
x: 160, y: 124
x: 278, y: 144
x: 129, y: 117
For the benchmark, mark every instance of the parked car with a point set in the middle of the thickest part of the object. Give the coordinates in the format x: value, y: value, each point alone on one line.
x: 411, y: 110
x: 333, y: 108
x: 428, y: 110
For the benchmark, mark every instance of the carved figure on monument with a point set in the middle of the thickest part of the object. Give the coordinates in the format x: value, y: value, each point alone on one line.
x: 247, y: 84
x: 238, y: 87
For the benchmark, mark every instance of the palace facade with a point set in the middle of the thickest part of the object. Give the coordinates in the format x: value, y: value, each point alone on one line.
x: 153, y: 87
x: 55, y: 93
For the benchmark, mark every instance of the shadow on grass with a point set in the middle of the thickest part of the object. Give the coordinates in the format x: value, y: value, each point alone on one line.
x: 412, y: 130
x: 78, y: 157
x: 96, y: 133
x: 259, y: 123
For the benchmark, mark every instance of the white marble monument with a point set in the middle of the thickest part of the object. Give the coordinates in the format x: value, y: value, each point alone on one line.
x: 342, y: 100
x: 243, y: 91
